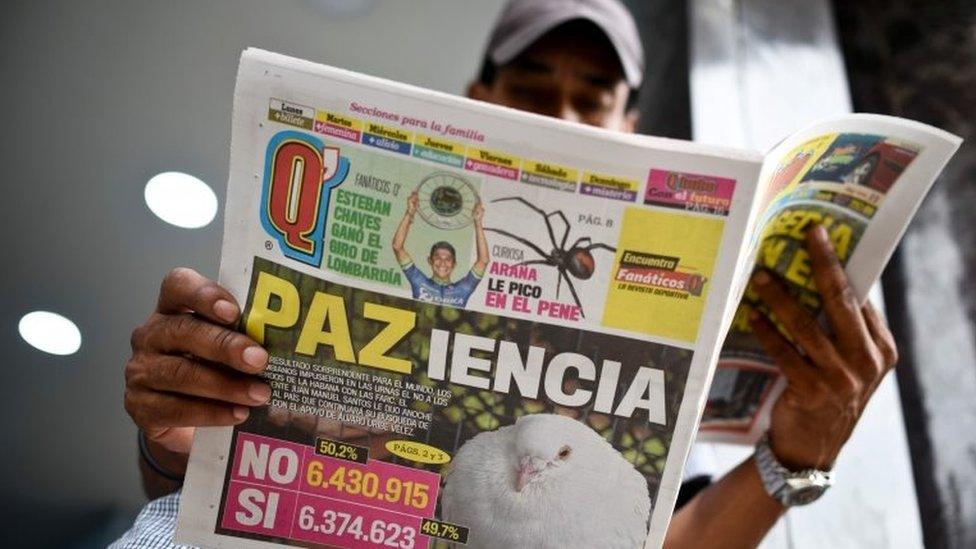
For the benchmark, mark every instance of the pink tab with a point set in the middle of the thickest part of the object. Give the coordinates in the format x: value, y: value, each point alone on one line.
x: 491, y: 169
x: 338, y: 523
x: 688, y: 191
x: 337, y: 131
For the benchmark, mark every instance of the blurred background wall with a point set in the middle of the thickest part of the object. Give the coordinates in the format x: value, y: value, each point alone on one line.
x: 101, y: 95
x: 760, y: 70
x: 917, y: 59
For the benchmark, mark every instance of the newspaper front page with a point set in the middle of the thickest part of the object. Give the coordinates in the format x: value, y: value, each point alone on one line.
x: 486, y: 328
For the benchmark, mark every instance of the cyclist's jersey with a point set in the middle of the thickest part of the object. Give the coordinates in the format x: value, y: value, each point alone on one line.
x: 425, y: 288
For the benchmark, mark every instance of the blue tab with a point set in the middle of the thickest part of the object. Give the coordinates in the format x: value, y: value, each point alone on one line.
x: 381, y: 142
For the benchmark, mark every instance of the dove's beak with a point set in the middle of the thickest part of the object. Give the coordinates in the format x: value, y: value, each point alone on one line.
x: 526, y: 471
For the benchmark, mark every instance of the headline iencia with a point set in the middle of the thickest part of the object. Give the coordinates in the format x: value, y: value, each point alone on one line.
x: 460, y: 358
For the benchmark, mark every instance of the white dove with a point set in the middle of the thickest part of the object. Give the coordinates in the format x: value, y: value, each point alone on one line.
x: 548, y: 481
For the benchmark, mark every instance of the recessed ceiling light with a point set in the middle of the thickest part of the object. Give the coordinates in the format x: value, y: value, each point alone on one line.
x: 181, y: 199
x: 50, y: 332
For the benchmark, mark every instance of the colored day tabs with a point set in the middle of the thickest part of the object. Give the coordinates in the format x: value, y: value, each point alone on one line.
x: 609, y: 186
x: 437, y: 149
x: 300, y: 492
x: 290, y: 113
x: 387, y: 137
x: 689, y: 191
x: 549, y: 175
x: 492, y: 163
x: 338, y: 125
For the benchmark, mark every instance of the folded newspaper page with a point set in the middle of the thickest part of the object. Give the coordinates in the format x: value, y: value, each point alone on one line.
x: 862, y: 177
x: 489, y: 328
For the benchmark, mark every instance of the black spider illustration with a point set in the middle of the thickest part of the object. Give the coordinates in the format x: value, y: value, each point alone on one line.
x: 575, y: 260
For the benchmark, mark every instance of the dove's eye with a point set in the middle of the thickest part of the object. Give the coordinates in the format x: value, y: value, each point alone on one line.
x: 564, y: 452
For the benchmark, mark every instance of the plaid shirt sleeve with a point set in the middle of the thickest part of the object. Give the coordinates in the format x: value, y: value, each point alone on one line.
x: 154, y: 527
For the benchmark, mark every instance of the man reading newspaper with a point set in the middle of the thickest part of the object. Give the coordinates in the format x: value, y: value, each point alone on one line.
x: 578, y: 60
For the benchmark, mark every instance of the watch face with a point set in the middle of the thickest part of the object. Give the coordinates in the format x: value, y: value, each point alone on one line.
x: 806, y: 495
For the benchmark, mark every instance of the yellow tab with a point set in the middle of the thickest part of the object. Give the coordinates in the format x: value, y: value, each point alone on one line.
x: 550, y: 170
x: 417, y: 451
x: 610, y: 181
x: 388, y: 132
x: 337, y: 119
x: 439, y: 144
x: 493, y: 157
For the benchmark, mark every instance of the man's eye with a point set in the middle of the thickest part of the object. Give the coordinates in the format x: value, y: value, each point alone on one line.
x: 591, y: 105
x: 533, y: 97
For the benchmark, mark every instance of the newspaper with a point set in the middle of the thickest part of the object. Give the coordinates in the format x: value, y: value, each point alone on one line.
x: 862, y: 177
x: 489, y: 328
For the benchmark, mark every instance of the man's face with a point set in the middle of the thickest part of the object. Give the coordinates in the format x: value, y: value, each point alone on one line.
x: 441, y: 263
x: 571, y: 73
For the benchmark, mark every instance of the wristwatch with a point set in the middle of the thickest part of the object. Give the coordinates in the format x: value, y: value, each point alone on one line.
x: 789, y: 487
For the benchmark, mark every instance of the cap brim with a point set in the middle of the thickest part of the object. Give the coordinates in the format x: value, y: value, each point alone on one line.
x: 514, y: 45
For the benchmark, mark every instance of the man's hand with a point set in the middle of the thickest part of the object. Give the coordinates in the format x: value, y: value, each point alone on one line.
x: 830, y: 376
x: 188, y: 367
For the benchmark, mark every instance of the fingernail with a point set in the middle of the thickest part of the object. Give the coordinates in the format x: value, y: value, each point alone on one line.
x: 761, y: 277
x: 259, y: 392
x: 255, y: 356
x: 225, y: 310
x: 241, y: 412
x: 819, y: 233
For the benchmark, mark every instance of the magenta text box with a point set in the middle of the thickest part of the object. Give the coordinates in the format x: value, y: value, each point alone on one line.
x: 337, y: 131
x: 689, y: 191
x: 342, y: 524
x: 491, y: 169
x: 377, y: 483
x: 268, y: 461
x: 259, y: 510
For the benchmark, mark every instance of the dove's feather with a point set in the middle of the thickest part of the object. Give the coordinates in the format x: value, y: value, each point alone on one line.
x: 600, y: 500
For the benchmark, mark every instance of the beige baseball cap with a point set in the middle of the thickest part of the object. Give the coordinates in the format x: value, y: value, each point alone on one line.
x: 522, y: 22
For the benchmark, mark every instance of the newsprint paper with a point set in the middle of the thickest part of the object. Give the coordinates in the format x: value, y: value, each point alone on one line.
x: 489, y: 328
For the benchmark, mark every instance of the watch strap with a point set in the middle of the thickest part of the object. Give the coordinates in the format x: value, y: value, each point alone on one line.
x: 788, y: 487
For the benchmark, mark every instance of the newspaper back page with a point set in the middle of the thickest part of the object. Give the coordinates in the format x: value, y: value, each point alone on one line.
x: 862, y: 177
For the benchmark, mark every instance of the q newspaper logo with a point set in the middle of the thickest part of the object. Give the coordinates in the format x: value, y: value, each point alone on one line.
x: 300, y: 173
